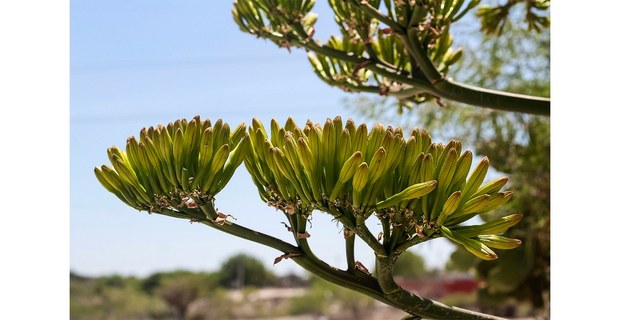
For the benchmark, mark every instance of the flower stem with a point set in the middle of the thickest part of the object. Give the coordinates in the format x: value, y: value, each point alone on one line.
x: 383, y: 288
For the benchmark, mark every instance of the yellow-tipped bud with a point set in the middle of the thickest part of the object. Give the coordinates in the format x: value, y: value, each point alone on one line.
x: 360, y: 177
x: 492, y: 187
x: 498, y: 226
x: 499, y: 242
x: 475, y: 247
x: 449, y: 207
x: 346, y: 173
x: 415, y: 191
x: 476, y: 178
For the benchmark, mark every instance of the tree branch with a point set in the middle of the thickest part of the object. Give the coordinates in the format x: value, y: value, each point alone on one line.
x: 383, y: 289
x: 432, y: 82
x: 378, y: 67
x: 417, y: 305
x: 362, y: 231
x: 349, y: 239
x: 248, y: 234
x: 499, y: 100
x: 364, y: 284
x: 409, y: 243
x: 415, y: 48
x: 373, y: 12
x: 482, y: 97
x: 447, y: 89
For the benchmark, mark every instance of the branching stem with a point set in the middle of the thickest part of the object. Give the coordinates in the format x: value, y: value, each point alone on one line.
x: 435, y: 83
x: 415, y: 304
x: 383, y: 288
x: 349, y: 240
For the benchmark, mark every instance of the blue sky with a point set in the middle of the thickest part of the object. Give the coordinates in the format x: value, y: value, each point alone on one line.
x: 35, y: 86
x: 140, y: 63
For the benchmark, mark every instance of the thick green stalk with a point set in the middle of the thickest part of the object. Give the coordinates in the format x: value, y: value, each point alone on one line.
x: 499, y: 100
x: 415, y: 48
x: 482, y: 97
x: 415, y: 304
x: 373, y: 12
x: 432, y: 81
x: 378, y: 67
x: 364, y: 284
x: 383, y: 289
x: 302, y: 242
x: 349, y: 240
x: 254, y: 236
x: 409, y: 243
x: 387, y: 232
x: 448, y: 89
x: 362, y: 231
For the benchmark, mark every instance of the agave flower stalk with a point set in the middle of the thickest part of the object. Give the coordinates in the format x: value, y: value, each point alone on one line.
x: 181, y: 165
x: 418, y: 189
x: 395, y: 48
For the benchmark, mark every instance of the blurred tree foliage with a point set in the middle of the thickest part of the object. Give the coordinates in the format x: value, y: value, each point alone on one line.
x: 200, y: 295
x: 113, y: 297
x: 176, y: 294
x: 517, y: 144
x: 411, y: 265
x: 243, y: 270
x: 180, y: 288
x: 494, y: 17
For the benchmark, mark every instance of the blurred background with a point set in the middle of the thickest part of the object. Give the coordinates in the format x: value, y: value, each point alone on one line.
x: 140, y: 63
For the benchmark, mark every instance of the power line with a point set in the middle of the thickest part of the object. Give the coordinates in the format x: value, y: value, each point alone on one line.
x: 126, y: 64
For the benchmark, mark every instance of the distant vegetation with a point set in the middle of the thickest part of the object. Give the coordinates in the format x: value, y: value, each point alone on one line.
x: 167, y: 295
x: 243, y: 288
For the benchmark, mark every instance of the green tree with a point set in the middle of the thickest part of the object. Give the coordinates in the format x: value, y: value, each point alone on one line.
x: 178, y: 289
x: 411, y: 265
x: 242, y: 270
x: 178, y: 292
